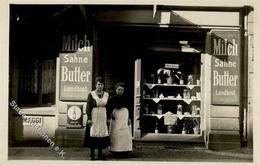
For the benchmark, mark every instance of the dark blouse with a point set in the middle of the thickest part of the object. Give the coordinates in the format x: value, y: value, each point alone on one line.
x: 118, y: 102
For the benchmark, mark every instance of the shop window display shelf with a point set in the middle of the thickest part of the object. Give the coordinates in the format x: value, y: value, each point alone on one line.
x: 151, y: 86
x: 157, y: 100
x: 172, y: 137
x: 179, y: 116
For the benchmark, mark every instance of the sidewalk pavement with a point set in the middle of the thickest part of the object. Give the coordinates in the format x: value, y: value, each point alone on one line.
x: 140, y: 153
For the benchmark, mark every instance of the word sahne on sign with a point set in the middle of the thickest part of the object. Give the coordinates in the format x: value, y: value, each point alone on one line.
x: 73, y: 43
x: 74, y: 59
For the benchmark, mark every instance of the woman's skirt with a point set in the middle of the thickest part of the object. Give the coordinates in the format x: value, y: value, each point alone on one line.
x: 95, y: 142
x: 120, y: 132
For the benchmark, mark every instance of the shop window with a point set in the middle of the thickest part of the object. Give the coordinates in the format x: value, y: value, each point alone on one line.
x: 171, y: 102
x: 36, y: 82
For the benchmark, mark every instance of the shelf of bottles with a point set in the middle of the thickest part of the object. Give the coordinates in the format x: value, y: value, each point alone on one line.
x: 172, y: 105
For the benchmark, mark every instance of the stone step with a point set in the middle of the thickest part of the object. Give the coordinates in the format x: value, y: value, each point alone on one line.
x: 170, y: 145
x: 224, y: 140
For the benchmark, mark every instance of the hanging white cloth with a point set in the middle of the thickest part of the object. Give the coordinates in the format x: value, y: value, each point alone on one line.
x: 120, y: 131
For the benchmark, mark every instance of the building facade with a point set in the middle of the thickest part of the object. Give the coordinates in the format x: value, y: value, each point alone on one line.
x: 188, y: 70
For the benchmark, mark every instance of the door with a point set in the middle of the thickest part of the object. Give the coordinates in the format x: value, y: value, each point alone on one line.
x: 137, y: 99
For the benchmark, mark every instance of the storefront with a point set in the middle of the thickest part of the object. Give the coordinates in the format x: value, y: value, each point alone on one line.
x: 186, y: 77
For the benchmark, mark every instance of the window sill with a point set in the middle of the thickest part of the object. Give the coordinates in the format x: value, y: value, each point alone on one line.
x: 39, y: 111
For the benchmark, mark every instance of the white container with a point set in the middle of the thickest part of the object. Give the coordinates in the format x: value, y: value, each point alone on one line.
x: 190, y: 80
x: 198, y: 95
x: 196, y: 130
x: 186, y: 94
x: 181, y: 82
x: 194, y: 110
x: 198, y: 82
x: 159, y: 109
x: 179, y: 109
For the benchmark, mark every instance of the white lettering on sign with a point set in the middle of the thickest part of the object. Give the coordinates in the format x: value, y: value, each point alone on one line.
x: 225, y: 64
x: 73, y: 43
x: 76, y: 88
x: 225, y: 92
x: 32, y: 119
x: 222, y: 47
x: 225, y: 72
x: 224, y: 79
x: 75, y: 59
x: 74, y: 75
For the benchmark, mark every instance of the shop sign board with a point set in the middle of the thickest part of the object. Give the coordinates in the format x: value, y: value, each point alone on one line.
x: 75, y: 75
x: 225, y: 51
x: 74, y: 116
x: 172, y: 66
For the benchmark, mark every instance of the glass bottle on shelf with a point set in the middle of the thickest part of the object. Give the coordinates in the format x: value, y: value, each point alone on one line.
x: 181, y: 80
x: 156, y: 131
x: 159, y: 109
x: 196, y: 128
x: 198, y: 95
x: 170, y: 129
x: 159, y: 81
x: 183, y: 129
x: 146, y: 109
x: 170, y: 79
x: 179, y: 109
x: 186, y: 94
x: 198, y: 82
x: 198, y: 110
x: 144, y: 94
x: 190, y: 79
x: 194, y: 109
x: 154, y: 93
x: 160, y: 76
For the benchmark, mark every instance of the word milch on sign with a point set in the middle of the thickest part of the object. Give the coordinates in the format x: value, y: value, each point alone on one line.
x: 223, y: 48
x: 74, y: 43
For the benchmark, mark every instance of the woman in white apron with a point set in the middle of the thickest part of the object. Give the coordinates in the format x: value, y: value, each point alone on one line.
x: 120, y: 130
x: 97, y: 125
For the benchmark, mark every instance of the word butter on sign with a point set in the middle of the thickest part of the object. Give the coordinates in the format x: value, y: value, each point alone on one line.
x: 28, y: 120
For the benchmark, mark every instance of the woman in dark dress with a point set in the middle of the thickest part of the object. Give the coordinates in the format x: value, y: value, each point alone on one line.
x: 120, y: 130
x: 97, y: 124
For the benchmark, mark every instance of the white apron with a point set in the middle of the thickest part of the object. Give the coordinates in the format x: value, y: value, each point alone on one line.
x: 120, y: 132
x: 99, y: 116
